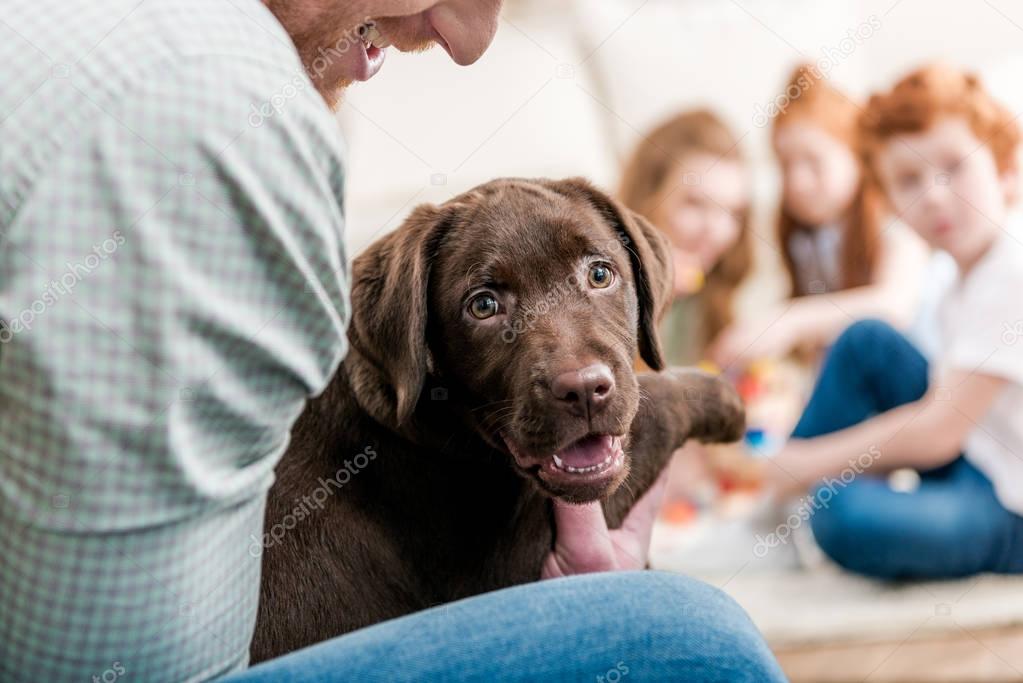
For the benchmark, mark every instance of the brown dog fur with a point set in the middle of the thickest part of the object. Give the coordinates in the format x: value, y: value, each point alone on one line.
x: 437, y: 508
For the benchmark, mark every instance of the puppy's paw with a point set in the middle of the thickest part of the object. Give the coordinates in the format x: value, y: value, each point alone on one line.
x: 711, y: 405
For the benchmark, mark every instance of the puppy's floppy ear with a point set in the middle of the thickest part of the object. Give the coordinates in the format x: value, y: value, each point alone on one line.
x: 650, y: 255
x: 388, y: 358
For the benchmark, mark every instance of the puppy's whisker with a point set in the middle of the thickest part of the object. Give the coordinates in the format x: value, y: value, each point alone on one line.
x: 628, y: 487
x: 622, y: 427
x: 501, y: 411
x: 493, y: 403
x: 498, y: 416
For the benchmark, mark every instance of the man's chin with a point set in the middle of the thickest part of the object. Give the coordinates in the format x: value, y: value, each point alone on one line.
x: 335, y: 95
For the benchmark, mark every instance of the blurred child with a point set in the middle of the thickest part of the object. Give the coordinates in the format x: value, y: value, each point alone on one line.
x: 689, y: 179
x: 945, y: 155
x: 842, y: 260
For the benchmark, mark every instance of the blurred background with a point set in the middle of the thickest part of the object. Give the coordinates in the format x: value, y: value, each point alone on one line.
x: 569, y: 88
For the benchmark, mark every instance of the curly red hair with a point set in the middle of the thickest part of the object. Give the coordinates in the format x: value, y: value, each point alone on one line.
x: 928, y: 94
x: 819, y: 103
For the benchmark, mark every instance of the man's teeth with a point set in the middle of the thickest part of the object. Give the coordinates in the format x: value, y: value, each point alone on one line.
x: 611, y: 457
x: 372, y: 37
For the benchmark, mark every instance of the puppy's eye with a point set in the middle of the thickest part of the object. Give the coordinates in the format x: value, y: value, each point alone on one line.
x: 483, y: 306
x: 601, y: 276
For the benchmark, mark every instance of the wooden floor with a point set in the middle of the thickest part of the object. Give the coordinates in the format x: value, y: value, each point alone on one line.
x: 828, y: 626
x: 979, y: 656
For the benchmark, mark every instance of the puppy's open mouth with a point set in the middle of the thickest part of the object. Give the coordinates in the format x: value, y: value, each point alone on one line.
x: 590, y: 454
x: 594, y: 459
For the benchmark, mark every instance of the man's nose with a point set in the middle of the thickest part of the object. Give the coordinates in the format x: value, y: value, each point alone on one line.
x: 584, y: 391
x: 466, y: 27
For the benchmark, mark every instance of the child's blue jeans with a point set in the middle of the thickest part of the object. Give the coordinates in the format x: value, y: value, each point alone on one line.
x: 614, y: 626
x: 952, y: 525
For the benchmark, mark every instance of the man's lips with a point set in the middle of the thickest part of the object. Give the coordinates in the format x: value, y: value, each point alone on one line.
x: 593, y: 457
x: 364, y: 54
x: 370, y: 60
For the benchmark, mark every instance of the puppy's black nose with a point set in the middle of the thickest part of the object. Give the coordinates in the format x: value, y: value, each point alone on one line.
x: 584, y: 390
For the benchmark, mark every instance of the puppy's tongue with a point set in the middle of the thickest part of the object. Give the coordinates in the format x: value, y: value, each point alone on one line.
x: 587, y: 451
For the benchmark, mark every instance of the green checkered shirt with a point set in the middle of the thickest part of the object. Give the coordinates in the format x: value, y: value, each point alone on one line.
x: 172, y: 289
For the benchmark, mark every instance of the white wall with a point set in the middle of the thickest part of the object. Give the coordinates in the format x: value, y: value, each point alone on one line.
x: 570, y: 85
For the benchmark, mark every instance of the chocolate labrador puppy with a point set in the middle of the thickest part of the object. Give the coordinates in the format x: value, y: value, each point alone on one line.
x: 490, y: 369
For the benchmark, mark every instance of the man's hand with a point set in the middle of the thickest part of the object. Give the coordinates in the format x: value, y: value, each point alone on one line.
x: 584, y: 544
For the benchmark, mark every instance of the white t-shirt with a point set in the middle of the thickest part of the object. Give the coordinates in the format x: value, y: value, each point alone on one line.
x: 940, y: 275
x: 982, y: 331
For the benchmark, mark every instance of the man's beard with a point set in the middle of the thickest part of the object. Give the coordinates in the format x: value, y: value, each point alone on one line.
x: 329, y: 28
x: 318, y: 28
x: 404, y: 35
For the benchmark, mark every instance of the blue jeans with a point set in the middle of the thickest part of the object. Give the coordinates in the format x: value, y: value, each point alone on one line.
x: 953, y: 525
x: 622, y: 626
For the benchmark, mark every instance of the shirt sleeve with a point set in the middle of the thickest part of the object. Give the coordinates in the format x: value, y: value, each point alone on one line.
x: 984, y: 321
x: 173, y: 290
